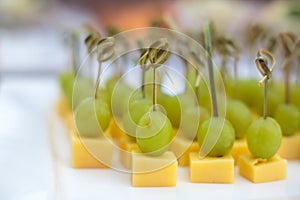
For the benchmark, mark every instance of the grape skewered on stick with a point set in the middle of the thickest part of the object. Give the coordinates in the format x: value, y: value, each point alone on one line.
x: 154, y: 133
x: 214, y: 142
x: 287, y: 114
x: 264, y: 134
x: 92, y: 116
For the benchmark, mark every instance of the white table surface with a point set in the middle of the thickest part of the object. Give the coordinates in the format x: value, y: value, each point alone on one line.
x: 34, y: 162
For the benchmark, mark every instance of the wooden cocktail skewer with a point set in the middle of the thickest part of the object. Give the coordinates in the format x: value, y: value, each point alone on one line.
x: 158, y: 54
x: 105, y: 51
x: 262, y: 65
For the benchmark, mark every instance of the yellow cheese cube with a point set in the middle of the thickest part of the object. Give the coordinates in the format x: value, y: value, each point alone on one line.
x: 259, y: 171
x: 150, y: 171
x: 91, y: 152
x: 181, y: 147
x: 115, y: 130
x: 290, y: 147
x: 211, y: 169
x: 127, y: 145
x: 239, y: 148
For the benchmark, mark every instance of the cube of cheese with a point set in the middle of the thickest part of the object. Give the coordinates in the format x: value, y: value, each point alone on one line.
x: 91, y: 152
x: 181, y: 147
x: 211, y: 169
x: 290, y: 147
x: 259, y: 171
x: 115, y: 130
x: 239, y: 148
x: 127, y: 145
x: 150, y: 171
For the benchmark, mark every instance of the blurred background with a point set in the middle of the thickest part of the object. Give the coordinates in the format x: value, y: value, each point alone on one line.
x: 34, y: 49
x: 33, y: 32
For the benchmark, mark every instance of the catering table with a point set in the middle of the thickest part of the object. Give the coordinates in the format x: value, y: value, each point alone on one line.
x: 35, y: 162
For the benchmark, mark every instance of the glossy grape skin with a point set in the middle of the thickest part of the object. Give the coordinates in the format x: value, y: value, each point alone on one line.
x: 239, y: 116
x: 92, y: 117
x: 264, y: 137
x: 225, y: 141
x: 132, y: 117
x: 288, y: 117
x: 154, y: 133
x: 192, y: 119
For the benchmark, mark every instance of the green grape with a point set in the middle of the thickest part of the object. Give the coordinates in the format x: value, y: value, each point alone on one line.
x: 229, y: 85
x: 190, y: 79
x: 66, y: 81
x: 186, y: 100
x: 204, y: 98
x: 122, y: 96
x: 264, y: 137
x: 136, y: 95
x: 288, y: 117
x: 162, y: 97
x: 174, y: 105
x: 240, y: 117
x: 225, y: 141
x: 192, y: 119
x: 154, y: 133
x: 83, y: 88
x: 249, y: 91
x: 92, y: 117
x: 274, y: 99
x: 138, y: 108
x: 104, y: 95
x: 110, y: 84
x: 295, y: 95
x: 132, y: 117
